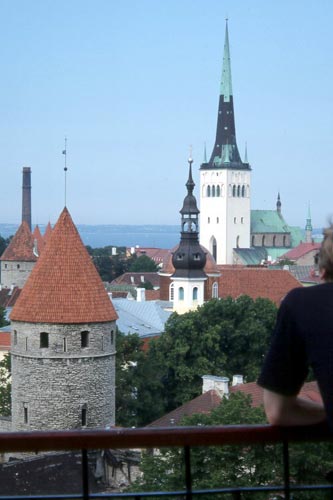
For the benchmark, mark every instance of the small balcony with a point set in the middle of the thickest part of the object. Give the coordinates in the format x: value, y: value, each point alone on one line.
x: 187, y: 440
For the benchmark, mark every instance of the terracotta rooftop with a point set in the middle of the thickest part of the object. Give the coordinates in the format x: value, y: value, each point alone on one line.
x: 8, y: 296
x: 64, y: 286
x: 37, y: 237
x: 272, y: 284
x: 301, y: 250
x: 21, y: 246
x: 209, y: 400
x: 48, y: 232
x: 156, y: 254
x: 4, y: 341
x: 136, y: 279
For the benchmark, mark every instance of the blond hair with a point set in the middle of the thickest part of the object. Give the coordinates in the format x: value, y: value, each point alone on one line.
x: 325, y: 258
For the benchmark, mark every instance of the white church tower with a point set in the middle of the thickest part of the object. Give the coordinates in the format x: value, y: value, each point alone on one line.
x: 225, y: 182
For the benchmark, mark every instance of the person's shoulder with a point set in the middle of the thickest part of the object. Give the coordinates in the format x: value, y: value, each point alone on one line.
x: 306, y: 293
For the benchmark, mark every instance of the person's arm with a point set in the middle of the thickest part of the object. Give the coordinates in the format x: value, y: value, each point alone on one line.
x: 292, y: 410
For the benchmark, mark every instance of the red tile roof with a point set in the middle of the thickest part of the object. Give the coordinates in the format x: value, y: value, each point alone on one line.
x: 39, y: 238
x: 272, y: 284
x: 301, y: 250
x: 48, y: 232
x: 4, y: 341
x: 136, y: 279
x: 156, y: 254
x: 8, y: 296
x: 152, y: 294
x: 21, y: 246
x: 64, y: 286
x: 202, y: 404
x: 209, y: 400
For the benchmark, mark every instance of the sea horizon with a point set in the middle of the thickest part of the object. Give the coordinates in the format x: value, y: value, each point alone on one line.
x: 126, y: 235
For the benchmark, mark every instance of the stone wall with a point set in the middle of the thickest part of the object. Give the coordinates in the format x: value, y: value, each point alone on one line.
x: 5, y: 424
x: 62, y: 383
x: 15, y: 273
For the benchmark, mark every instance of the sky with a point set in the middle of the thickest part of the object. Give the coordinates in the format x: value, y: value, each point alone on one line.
x: 133, y: 84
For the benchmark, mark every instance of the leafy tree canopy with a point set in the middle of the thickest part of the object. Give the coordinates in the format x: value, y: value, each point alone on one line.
x: 5, y: 386
x: 223, y: 338
x: 143, y: 264
x: 229, y: 466
x: 4, y: 242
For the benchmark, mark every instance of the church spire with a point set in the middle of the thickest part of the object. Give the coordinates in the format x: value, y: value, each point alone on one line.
x: 278, y: 204
x: 308, y: 227
x: 225, y: 153
x: 226, y: 83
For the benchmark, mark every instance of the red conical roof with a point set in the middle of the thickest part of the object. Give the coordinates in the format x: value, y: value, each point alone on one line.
x: 64, y: 286
x: 39, y: 238
x: 21, y: 246
x: 48, y: 232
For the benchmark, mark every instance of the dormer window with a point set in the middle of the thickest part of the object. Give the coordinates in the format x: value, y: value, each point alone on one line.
x: 196, y: 256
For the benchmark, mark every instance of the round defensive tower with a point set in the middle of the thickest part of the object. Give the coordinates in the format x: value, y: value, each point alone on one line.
x: 63, y: 340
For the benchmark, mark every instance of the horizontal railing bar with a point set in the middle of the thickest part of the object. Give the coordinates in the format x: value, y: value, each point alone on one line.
x: 151, y: 437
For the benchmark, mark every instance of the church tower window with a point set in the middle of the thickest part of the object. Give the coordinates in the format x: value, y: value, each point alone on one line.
x: 195, y: 293
x: 84, y: 415
x: 181, y: 293
x: 215, y: 290
x: 238, y: 191
x: 243, y: 191
x: 234, y: 190
x: 172, y: 292
x: 213, y: 191
x: 208, y: 191
x: 218, y: 191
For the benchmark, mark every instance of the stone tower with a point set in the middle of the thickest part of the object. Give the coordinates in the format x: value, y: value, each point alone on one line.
x: 63, y: 340
x: 26, y: 196
x: 19, y: 258
x: 189, y: 259
x: 225, y: 181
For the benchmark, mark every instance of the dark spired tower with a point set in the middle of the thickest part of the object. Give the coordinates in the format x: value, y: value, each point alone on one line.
x: 189, y: 259
x: 26, y: 196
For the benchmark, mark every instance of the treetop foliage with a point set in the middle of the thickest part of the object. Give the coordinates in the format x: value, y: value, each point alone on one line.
x: 143, y: 264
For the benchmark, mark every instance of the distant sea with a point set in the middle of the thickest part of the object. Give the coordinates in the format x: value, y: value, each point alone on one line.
x: 155, y: 236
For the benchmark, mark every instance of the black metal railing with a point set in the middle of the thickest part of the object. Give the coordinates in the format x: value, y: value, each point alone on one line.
x: 184, y: 437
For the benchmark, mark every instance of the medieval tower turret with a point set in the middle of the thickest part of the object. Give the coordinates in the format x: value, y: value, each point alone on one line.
x: 225, y: 182
x: 189, y: 259
x: 63, y: 340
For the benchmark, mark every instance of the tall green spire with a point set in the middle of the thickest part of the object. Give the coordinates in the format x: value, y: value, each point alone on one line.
x: 226, y: 84
x: 308, y: 226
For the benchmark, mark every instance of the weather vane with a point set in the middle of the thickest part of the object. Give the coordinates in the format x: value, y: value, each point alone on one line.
x: 190, y: 158
x: 64, y: 152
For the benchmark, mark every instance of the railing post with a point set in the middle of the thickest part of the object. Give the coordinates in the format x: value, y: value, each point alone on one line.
x: 286, y: 471
x: 188, y: 474
x: 85, y: 475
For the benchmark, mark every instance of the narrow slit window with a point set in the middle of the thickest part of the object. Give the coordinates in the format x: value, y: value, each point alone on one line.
x: 44, y: 340
x: 85, y: 339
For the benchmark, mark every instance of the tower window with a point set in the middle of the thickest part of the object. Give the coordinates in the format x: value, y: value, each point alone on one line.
x: 65, y: 344
x: 43, y: 340
x: 217, y: 220
x: 215, y: 290
x: 195, y: 293
x: 213, y: 191
x: 181, y: 293
x: 196, y: 256
x: 237, y: 242
x: 25, y: 413
x: 102, y: 342
x: 84, y: 415
x: 85, y: 339
x: 238, y: 191
x: 243, y: 191
x: 218, y: 191
x: 112, y: 337
x: 234, y: 191
x: 208, y: 191
x: 235, y: 220
x: 208, y: 220
x: 15, y: 337
x: 172, y: 292
x: 26, y: 343
x: 18, y: 266
x: 242, y: 220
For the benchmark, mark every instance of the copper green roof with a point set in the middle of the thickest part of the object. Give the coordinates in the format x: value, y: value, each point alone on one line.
x: 251, y: 256
x: 226, y: 84
x: 268, y: 221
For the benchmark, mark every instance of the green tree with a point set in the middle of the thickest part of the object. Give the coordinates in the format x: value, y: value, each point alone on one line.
x: 229, y: 466
x: 5, y: 386
x: 135, y: 397
x: 4, y: 242
x: 143, y: 264
x: 222, y: 337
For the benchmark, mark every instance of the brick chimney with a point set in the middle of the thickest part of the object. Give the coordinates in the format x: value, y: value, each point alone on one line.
x: 26, y: 196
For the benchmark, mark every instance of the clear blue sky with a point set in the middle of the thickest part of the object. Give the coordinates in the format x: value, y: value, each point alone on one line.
x: 133, y: 83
